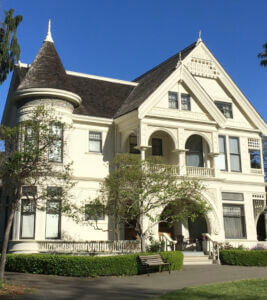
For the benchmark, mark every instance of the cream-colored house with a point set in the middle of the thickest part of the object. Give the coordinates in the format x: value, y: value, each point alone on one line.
x: 187, y: 110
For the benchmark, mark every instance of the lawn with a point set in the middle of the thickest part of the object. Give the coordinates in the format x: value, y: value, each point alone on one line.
x: 9, y: 291
x: 244, y: 289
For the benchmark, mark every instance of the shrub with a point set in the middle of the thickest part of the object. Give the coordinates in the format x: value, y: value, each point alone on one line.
x: 244, y: 257
x: 156, y: 246
x: 84, y: 266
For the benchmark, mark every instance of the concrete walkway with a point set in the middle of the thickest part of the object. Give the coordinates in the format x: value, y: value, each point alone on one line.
x: 130, y: 287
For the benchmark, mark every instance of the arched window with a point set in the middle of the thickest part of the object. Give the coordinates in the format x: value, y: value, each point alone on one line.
x: 194, y: 155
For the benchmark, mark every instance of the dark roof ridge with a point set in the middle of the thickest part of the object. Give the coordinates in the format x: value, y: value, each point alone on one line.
x: 165, y: 61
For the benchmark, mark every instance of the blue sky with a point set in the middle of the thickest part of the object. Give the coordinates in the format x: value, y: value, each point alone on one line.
x: 124, y: 38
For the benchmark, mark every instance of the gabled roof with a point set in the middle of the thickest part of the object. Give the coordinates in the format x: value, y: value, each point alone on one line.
x: 151, y: 80
x: 46, y: 71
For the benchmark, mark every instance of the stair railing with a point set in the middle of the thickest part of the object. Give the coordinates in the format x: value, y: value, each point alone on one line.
x: 213, y: 248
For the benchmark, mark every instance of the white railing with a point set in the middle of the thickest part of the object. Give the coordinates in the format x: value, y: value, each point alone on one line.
x: 256, y: 171
x: 169, y: 243
x: 173, y: 168
x: 122, y: 246
x: 213, y: 248
x: 200, y: 172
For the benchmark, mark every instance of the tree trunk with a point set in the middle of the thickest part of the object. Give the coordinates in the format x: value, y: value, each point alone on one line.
x: 5, y: 243
x: 143, y: 243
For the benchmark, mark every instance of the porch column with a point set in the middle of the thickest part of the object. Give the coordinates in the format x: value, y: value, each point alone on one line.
x: 182, y: 161
x: 213, y: 164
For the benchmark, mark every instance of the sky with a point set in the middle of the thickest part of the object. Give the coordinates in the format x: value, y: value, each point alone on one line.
x: 125, y: 38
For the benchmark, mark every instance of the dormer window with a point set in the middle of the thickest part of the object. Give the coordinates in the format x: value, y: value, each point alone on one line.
x: 225, y: 108
x: 173, y: 100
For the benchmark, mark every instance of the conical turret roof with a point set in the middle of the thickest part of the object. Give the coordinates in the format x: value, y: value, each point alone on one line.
x: 46, y: 71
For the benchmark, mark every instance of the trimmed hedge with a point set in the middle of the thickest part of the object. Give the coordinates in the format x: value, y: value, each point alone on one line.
x: 244, y: 257
x: 84, y: 266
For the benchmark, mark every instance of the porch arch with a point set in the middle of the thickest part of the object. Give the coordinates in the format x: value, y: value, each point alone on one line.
x: 169, y: 132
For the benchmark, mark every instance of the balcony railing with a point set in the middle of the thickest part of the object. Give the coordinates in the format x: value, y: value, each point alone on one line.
x: 200, y: 172
x: 173, y: 168
x: 122, y: 246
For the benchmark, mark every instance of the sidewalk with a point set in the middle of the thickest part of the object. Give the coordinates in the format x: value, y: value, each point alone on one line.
x: 130, y: 287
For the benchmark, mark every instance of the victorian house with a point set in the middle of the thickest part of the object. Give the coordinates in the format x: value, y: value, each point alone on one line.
x: 186, y: 109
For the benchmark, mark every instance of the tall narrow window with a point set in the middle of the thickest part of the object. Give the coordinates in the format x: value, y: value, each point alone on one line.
x: 225, y: 108
x: 56, y: 148
x: 95, y: 141
x: 53, y: 213
x: 234, y: 221
x: 222, y: 158
x: 194, y: 155
x: 27, y: 225
x: 234, y: 154
x: 133, y: 144
x: 173, y: 100
x: 156, y: 146
x: 185, y: 101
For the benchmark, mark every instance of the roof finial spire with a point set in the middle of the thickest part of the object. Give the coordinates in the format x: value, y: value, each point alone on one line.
x: 199, y: 37
x: 179, y: 60
x: 49, y: 36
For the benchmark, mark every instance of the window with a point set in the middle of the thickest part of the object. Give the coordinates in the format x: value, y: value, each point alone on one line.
x: 53, y: 213
x: 228, y: 196
x: 185, y: 101
x: 234, y: 154
x: 95, y: 141
x: 133, y: 144
x: 234, y: 221
x: 225, y: 108
x: 98, y: 216
x: 222, y: 158
x: 173, y: 100
x: 157, y: 146
x: 255, y: 159
x: 56, y: 148
x: 194, y: 155
x: 27, y: 224
x: 30, y: 138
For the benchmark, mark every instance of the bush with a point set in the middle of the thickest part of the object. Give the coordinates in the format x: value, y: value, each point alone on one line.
x: 84, y: 266
x: 244, y: 257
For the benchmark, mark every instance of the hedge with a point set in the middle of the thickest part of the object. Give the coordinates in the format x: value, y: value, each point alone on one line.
x: 244, y: 257
x: 84, y: 266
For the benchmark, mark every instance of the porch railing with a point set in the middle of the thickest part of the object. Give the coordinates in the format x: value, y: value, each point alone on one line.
x: 213, y: 248
x: 200, y: 172
x: 173, y: 168
x: 122, y: 246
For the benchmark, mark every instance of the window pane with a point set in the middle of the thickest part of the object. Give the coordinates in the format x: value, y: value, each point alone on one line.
x: 221, y: 162
x: 194, y: 159
x: 234, y: 221
x: 55, y: 151
x: 255, y: 159
x: 185, y: 100
x: 234, y: 145
x: 56, y: 130
x: 95, y: 146
x: 225, y: 108
x: 232, y: 196
x: 95, y: 135
x: 27, y: 230
x: 52, y: 226
x: 222, y: 144
x: 173, y: 100
x: 235, y: 163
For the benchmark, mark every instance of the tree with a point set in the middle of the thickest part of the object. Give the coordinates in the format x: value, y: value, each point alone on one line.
x: 263, y: 56
x: 136, y: 190
x: 9, y: 47
x: 27, y: 167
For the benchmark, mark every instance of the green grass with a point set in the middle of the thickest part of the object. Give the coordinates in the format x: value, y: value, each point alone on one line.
x: 235, y: 290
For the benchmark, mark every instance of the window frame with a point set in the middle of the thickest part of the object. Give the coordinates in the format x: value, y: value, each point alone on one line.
x: 260, y: 165
x: 220, y: 105
x: 52, y: 198
x: 235, y: 154
x: 132, y: 149
x: 61, y: 139
x: 188, y: 98
x: 22, y: 213
x: 95, y: 140
x: 224, y: 153
x: 242, y: 219
x: 171, y: 101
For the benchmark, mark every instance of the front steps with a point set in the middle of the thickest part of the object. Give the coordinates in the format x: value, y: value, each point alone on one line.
x: 196, y: 258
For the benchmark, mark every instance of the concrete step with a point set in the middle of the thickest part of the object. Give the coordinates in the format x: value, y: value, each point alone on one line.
x: 197, y: 260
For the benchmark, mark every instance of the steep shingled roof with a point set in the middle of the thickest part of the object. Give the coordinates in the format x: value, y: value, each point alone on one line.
x: 46, y: 71
x: 150, y: 81
x: 100, y: 98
